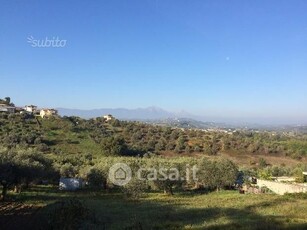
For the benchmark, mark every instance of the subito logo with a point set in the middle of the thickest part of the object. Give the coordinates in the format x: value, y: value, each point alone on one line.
x: 120, y: 174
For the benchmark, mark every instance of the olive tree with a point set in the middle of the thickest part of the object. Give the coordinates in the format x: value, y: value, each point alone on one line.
x: 217, y: 174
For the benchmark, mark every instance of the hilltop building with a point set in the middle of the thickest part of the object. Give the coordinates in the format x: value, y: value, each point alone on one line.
x: 108, y: 117
x: 7, y: 108
x: 30, y: 108
x: 48, y: 112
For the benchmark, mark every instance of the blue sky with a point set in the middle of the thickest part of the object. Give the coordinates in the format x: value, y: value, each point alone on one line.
x: 235, y: 59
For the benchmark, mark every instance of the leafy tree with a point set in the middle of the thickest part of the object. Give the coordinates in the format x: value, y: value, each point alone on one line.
x: 298, y: 174
x: 7, y: 177
x: 174, y: 135
x: 134, y: 189
x: 217, y: 174
x: 151, y: 144
x: 161, y: 145
x: 173, y: 171
x: 93, y: 176
x: 7, y: 100
x: 21, y: 168
x: 68, y: 170
x: 180, y: 143
x: 188, y: 149
x: 170, y: 146
x: 177, y: 149
x: 114, y: 146
x: 262, y: 163
x: 264, y: 173
x: 197, y: 148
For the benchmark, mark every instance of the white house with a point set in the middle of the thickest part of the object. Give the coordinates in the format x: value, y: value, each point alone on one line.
x: 108, y: 117
x: 7, y: 109
x: 48, y: 112
x: 30, y: 108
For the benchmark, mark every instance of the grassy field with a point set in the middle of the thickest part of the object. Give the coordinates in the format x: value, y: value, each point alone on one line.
x: 216, y: 210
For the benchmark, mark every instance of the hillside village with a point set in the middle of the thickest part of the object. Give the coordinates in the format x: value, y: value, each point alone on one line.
x: 7, y: 107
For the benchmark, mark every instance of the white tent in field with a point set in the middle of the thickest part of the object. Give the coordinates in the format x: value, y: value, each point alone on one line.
x: 70, y: 184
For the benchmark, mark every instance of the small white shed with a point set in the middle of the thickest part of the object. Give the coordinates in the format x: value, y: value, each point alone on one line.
x: 70, y: 184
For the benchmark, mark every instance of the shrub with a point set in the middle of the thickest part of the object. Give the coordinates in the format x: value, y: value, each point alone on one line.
x: 70, y: 214
x: 134, y: 189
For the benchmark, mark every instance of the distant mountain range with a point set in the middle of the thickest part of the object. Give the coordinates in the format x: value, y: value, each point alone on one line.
x: 152, y: 115
x: 120, y: 113
x: 156, y: 115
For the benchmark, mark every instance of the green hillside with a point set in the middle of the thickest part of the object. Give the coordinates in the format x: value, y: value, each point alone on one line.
x: 73, y: 135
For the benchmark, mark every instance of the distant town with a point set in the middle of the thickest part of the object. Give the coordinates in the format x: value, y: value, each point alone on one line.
x: 7, y: 107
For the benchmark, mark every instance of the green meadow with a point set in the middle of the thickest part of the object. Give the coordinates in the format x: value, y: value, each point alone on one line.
x: 195, y: 210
